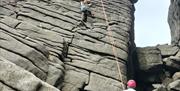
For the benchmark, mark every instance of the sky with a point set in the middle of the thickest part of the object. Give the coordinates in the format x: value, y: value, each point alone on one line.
x: 151, y: 26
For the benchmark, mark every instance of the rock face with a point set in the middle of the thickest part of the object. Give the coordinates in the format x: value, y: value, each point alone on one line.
x: 158, y: 68
x: 149, y: 58
x: 44, y: 41
x: 174, y: 21
x: 149, y: 64
x: 19, y: 79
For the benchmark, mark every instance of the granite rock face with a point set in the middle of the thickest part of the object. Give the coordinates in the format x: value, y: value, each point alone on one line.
x: 43, y: 40
x: 174, y: 21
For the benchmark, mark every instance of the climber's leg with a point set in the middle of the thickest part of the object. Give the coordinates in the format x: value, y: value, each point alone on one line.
x: 84, y: 16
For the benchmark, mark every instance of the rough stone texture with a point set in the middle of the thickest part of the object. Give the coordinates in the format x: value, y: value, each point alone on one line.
x: 75, y: 79
x: 100, y: 83
x: 19, y: 79
x: 178, y: 54
x: 158, y: 64
x: 4, y: 87
x: 166, y: 81
x: 150, y: 66
x: 149, y: 58
x: 174, y: 21
x: 167, y: 50
x: 159, y: 87
x: 55, y: 74
x: 174, y: 86
x: 172, y: 62
x: 44, y: 37
x: 176, y: 76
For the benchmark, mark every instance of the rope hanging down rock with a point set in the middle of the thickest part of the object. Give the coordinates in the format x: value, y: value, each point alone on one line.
x: 112, y: 43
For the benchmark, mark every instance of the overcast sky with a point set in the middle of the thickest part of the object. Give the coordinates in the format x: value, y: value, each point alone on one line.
x: 151, y: 27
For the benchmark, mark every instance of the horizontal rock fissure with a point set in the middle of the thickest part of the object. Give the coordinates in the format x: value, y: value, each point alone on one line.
x: 23, y: 57
x: 53, y: 11
x: 9, y: 86
x: 18, y: 39
x: 5, y: 7
x: 104, y: 41
x: 27, y: 44
x: 95, y: 52
x: 27, y: 16
x: 67, y: 36
x: 94, y: 64
x: 94, y: 72
x: 108, y: 56
x: 3, y: 39
x: 45, y: 42
x: 48, y: 14
x: 105, y: 34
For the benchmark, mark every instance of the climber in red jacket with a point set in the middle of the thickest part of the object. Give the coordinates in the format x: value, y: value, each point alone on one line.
x: 131, y: 85
x: 85, y: 4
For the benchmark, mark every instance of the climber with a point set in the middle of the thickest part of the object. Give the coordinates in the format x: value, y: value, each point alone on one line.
x: 85, y: 4
x: 131, y: 85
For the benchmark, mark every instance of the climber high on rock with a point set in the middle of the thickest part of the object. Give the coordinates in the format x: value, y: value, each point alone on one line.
x: 85, y: 9
x: 131, y: 85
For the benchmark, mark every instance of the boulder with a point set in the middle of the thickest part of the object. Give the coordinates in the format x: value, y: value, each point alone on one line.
x: 176, y: 76
x: 150, y: 65
x: 21, y: 80
x: 168, y: 50
x: 24, y: 63
x: 174, y: 86
x: 172, y: 63
x: 159, y: 87
x: 149, y: 59
x: 166, y: 81
x: 92, y: 49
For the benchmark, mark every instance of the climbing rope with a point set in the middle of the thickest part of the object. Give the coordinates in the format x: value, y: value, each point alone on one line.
x: 112, y: 44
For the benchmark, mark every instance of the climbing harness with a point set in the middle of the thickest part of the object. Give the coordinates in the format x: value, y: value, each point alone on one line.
x: 112, y: 43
